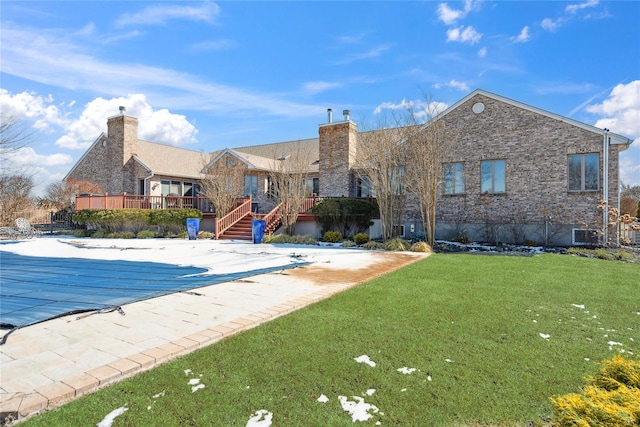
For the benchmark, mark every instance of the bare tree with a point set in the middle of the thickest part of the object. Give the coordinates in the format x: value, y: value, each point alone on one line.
x: 61, y: 195
x: 288, y: 175
x: 381, y: 161
x: 426, y: 145
x: 15, y: 184
x: 15, y: 193
x: 223, y: 181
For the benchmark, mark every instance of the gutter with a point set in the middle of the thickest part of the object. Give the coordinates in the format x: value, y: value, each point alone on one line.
x: 605, y: 185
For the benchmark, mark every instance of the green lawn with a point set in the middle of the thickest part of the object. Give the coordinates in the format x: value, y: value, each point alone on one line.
x: 470, y: 325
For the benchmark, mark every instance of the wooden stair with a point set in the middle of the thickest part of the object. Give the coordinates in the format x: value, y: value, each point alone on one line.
x: 241, y: 230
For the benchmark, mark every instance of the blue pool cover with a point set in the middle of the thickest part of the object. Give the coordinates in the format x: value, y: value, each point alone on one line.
x: 35, y: 289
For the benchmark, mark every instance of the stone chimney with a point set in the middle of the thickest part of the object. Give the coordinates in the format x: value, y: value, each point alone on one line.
x: 122, y: 133
x: 337, y: 150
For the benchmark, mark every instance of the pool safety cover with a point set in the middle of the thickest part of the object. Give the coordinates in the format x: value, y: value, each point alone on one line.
x: 35, y: 289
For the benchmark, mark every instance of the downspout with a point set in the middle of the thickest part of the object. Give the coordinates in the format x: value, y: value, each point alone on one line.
x: 605, y: 185
x: 146, y: 183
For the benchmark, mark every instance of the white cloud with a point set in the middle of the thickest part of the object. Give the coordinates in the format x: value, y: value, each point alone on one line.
x: 419, y: 108
x: 447, y: 15
x: 153, y: 125
x: 482, y: 52
x: 549, y: 24
x: 35, y: 56
x: 402, y: 105
x: 34, y: 108
x: 158, y: 15
x: 313, y: 88
x: 573, y: 8
x: 454, y: 84
x: 464, y: 35
x: 621, y: 111
x: 523, y: 37
x: 450, y: 16
x: 27, y: 157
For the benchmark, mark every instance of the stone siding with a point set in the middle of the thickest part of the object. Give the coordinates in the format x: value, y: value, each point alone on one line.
x: 337, y: 154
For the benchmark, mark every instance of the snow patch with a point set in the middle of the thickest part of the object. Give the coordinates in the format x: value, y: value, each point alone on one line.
x: 108, y: 420
x: 545, y: 336
x: 578, y: 306
x: 406, y: 370
x: 323, y: 399
x: 365, y: 359
x: 358, y: 408
x: 261, y: 418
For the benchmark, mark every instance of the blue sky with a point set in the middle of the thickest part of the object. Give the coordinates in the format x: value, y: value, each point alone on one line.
x: 209, y: 75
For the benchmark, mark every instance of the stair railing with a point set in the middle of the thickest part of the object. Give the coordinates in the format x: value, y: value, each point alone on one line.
x: 227, y: 221
x: 273, y: 219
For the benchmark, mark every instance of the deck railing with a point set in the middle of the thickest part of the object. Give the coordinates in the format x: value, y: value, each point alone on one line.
x: 224, y: 223
x: 135, y: 201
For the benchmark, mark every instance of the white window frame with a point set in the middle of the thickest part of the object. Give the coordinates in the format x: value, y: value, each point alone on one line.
x: 584, y: 242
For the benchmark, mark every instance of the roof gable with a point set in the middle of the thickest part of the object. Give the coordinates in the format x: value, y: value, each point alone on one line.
x: 614, y: 138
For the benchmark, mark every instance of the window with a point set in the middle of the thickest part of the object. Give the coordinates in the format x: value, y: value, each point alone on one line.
x: 584, y: 172
x: 312, y: 186
x: 171, y: 187
x: 493, y: 179
x: 364, y: 188
x: 251, y: 186
x: 585, y: 237
x: 397, y: 186
x: 191, y: 189
x: 453, y: 178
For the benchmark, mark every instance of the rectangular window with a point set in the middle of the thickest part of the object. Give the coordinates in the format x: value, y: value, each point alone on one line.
x: 397, y: 181
x: 173, y: 188
x: 312, y: 186
x: 585, y: 237
x: 251, y: 186
x: 365, y: 189
x: 453, y: 178
x: 584, y: 172
x: 493, y: 179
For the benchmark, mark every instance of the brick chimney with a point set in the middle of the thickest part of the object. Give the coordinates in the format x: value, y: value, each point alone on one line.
x: 337, y: 150
x: 122, y: 132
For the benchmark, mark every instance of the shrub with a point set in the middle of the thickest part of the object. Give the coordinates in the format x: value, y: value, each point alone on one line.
x: 304, y: 240
x: 205, y: 235
x: 344, y: 214
x: 604, y: 254
x: 285, y: 238
x: 348, y: 244
x: 397, y: 245
x: 530, y: 242
x: 420, y: 247
x: 81, y: 233
x: 332, y: 236
x: 612, y: 397
x: 145, y: 234
x: 121, y: 235
x: 373, y: 246
x: 100, y: 234
x: 361, y: 238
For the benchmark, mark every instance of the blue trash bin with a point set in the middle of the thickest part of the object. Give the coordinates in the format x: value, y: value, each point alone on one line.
x: 193, y: 226
x: 257, y: 230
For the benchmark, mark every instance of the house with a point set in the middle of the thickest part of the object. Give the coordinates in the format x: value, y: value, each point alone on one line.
x: 513, y: 172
